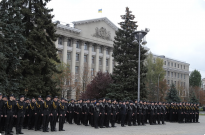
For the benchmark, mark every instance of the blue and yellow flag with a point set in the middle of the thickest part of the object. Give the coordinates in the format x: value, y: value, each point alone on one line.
x: 99, y: 10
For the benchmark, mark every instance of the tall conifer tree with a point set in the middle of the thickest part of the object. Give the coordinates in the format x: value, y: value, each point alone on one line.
x: 12, y: 45
x: 172, y: 95
x: 38, y: 60
x: 125, y: 54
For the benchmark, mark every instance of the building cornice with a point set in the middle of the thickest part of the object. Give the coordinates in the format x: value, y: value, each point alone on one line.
x: 105, y: 19
x: 71, y: 29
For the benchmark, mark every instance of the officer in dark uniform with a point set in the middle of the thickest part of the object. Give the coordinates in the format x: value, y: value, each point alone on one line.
x: 25, y: 122
x: 86, y: 112
x: 113, y: 113
x: 71, y: 111
x: 158, y: 112
x: 91, y: 111
x: 130, y: 113
x: 152, y: 113
x: 62, y: 114
x: 1, y: 112
x: 9, y: 114
x: 197, y: 113
x: 107, y: 113
x: 123, y: 113
x: 54, y: 113
x: 38, y: 113
x: 32, y: 110
x: 187, y: 113
x: 96, y: 114
x: 46, y: 113
x: 102, y: 114
x: 119, y: 112
x: 163, y: 112
x: 180, y: 113
x: 20, y: 113
x: 3, y: 119
x: 139, y: 113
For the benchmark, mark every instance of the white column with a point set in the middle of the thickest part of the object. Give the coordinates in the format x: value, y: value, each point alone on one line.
x: 110, y: 61
x: 82, y: 57
x: 97, y: 59
x: 104, y: 59
x: 56, y: 43
x: 73, y: 57
x: 73, y: 92
x: 90, y: 56
x: 65, y: 42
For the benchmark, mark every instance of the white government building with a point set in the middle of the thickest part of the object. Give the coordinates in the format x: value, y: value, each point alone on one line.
x: 90, y: 43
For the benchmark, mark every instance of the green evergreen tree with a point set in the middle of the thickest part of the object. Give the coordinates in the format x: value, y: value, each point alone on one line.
x: 38, y: 60
x: 193, y: 98
x: 12, y: 45
x: 125, y: 53
x: 172, y: 95
x: 195, y: 78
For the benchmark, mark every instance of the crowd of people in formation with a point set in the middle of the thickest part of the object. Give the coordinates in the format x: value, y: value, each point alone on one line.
x: 36, y: 114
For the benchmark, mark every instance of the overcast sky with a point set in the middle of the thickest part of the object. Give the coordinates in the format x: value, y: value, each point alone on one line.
x: 177, y: 27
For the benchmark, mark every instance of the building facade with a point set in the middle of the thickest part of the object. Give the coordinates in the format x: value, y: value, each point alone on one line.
x: 177, y: 73
x: 88, y: 44
x: 203, y: 84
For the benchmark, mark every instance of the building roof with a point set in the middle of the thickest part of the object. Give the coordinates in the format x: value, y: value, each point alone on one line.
x: 71, y: 29
x: 105, y: 19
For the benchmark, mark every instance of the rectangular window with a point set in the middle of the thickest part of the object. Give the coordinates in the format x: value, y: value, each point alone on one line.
x: 92, y: 71
x: 85, y: 58
x: 172, y: 64
x: 100, y: 49
x: 175, y: 83
x: 93, y: 60
x: 184, y: 84
x: 181, y: 76
x: 168, y: 82
x: 85, y: 46
x: 168, y: 63
x: 171, y: 81
x: 100, y: 61
x: 178, y: 65
x: 175, y: 64
x: 164, y: 62
x: 106, y: 62
x: 76, y: 69
x: 107, y: 52
x: 93, y: 48
x: 77, y: 44
x: 184, y: 76
x: 175, y: 75
x: 77, y: 57
x: 60, y: 41
x: 181, y: 66
x: 69, y: 43
x: 168, y: 73
x: 184, y: 66
x: 172, y: 74
x: 107, y: 71
x: 69, y: 56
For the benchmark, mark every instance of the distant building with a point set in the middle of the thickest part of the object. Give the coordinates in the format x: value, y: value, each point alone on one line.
x: 203, y: 84
x: 177, y: 72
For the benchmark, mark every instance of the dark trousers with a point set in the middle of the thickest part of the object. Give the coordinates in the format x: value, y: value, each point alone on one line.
x: 151, y: 119
x: 71, y: 117
x: 9, y: 123
x: 162, y: 118
x: 197, y: 117
x: 123, y: 119
x: 61, y: 121
x: 102, y: 119
x: 20, y: 119
x: 53, y: 121
x: 1, y: 124
x: 107, y: 120
x: 158, y: 118
x: 129, y: 119
x: 45, y: 121
x: 31, y: 120
x: 113, y: 119
x: 78, y: 118
x: 96, y: 119
x: 38, y: 121
x: 134, y: 119
x: 139, y: 116
x: 86, y: 119
x: 25, y: 122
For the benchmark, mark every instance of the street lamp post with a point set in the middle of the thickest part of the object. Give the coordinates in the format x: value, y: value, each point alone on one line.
x: 139, y: 35
x: 158, y: 89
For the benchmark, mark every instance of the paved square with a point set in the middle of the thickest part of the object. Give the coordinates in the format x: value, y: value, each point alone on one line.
x: 168, y: 129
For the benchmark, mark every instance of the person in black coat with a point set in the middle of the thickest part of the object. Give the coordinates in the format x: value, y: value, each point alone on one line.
x: 31, y: 112
x: 96, y: 114
x: 46, y: 113
x: 123, y: 114
x: 54, y: 113
x: 113, y: 113
x: 62, y: 114
x: 38, y: 113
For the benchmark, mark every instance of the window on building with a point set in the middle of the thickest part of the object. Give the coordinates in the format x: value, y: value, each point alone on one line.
x: 175, y: 83
x: 92, y: 71
x: 85, y: 46
x: 168, y: 63
x: 69, y: 43
x: 77, y: 44
x: 107, y: 51
x: 76, y: 69
x: 107, y: 71
x: 106, y: 62
x: 164, y: 62
x: 175, y: 75
x: 172, y: 74
x: 184, y: 84
x: 181, y: 76
x: 77, y: 57
x: 184, y: 76
x: 168, y: 73
x: 181, y: 66
x: 184, y: 66
x: 69, y: 56
x: 172, y: 64
x: 178, y: 65
x: 175, y: 64
x: 168, y: 82
x: 178, y: 75
x: 100, y: 61
x: 100, y: 49
x: 60, y: 54
x: 93, y: 60
x: 93, y: 48
x: 85, y: 58
x: 60, y: 41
